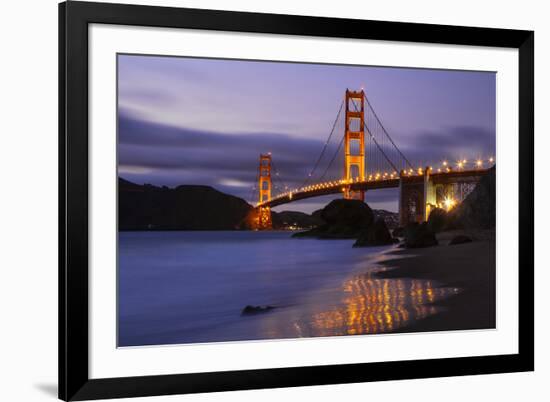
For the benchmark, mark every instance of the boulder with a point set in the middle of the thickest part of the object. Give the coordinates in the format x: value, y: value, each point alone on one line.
x: 419, y: 235
x: 376, y: 234
x: 344, y: 219
x: 317, y: 215
x: 437, y: 220
x: 352, y: 213
x: 478, y: 210
x: 398, y: 231
x: 460, y: 239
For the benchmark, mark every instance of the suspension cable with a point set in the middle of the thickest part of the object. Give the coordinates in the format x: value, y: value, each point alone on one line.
x: 385, y: 132
x: 253, y: 191
x: 333, y: 158
x: 277, y: 176
x: 374, y: 139
x: 306, y: 181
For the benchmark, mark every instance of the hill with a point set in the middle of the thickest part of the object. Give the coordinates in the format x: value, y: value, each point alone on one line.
x: 186, y: 207
x: 294, y: 220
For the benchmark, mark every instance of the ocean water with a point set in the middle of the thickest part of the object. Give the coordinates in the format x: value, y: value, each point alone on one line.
x: 191, y: 287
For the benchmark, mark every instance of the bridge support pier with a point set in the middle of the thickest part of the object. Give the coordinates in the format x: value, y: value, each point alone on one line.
x: 416, y: 197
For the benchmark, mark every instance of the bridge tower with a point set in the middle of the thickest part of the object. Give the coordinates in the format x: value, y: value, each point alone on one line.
x: 354, y: 135
x: 264, y: 191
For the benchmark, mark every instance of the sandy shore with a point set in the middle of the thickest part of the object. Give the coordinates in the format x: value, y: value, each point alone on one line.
x: 470, y: 267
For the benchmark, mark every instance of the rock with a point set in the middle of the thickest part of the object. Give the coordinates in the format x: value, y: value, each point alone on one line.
x: 317, y: 215
x: 460, y: 239
x: 344, y: 219
x: 419, y: 235
x: 437, y: 220
x: 353, y: 213
x: 391, y: 218
x: 249, y: 310
x: 478, y: 210
x: 398, y: 231
x: 377, y: 234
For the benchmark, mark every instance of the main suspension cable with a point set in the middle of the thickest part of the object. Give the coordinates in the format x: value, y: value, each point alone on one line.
x: 325, y: 146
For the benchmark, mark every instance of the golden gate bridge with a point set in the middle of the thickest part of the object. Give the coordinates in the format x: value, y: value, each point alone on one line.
x: 372, y: 161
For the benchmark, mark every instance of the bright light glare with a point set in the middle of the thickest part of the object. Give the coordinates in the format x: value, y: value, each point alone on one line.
x: 449, y: 203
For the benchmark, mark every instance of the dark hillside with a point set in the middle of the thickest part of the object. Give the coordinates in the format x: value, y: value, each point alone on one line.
x: 187, y: 207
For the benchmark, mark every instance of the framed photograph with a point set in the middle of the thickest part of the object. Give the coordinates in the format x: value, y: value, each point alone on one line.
x: 257, y: 200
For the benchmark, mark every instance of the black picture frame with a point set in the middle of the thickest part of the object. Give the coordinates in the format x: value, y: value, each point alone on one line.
x: 74, y: 18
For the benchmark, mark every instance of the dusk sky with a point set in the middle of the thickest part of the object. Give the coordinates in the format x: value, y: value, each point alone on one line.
x: 205, y: 121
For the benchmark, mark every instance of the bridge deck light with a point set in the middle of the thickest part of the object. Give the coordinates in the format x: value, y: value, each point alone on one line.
x: 444, y: 163
x: 479, y: 163
x: 491, y: 159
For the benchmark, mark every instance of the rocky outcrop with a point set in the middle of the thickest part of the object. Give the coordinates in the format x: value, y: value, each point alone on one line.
x: 419, y: 235
x: 390, y: 218
x: 398, y: 231
x: 376, y: 234
x: 437, y: 220
x: 478, y: 210
x: 343, y: 219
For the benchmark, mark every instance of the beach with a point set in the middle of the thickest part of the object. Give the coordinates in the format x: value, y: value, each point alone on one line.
x: 469, y: 267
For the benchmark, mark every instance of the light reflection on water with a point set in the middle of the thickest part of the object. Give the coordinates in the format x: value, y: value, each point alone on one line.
x: 371, y: 305
x: 183, y: 287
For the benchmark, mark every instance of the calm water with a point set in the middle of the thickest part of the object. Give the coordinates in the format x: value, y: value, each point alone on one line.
x: 187, y: 287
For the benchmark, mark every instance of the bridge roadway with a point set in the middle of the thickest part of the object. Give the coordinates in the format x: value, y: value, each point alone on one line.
x: 337, y: 186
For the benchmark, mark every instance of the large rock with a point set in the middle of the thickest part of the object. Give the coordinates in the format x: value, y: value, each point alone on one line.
x: 419, y: 235
x: 344, y: 219
x: 477, y: 211
x: 398, y: 231
x: 353, y: 213
x: 437, y: 220
x: 376, y: 234
x: 391, y: 218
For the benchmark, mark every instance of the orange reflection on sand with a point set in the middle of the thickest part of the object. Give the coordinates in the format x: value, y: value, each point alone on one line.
x: 372, y: 305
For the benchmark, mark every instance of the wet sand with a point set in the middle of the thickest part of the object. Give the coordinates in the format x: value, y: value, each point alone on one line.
x: 470, y: 267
